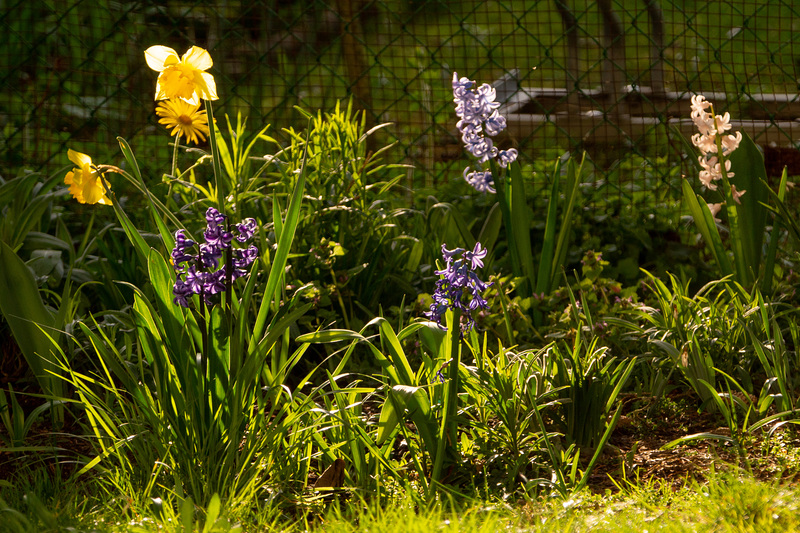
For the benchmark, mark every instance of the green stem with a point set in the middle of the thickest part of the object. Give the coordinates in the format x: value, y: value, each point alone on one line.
x: 212, y: 138
x: 175, y: 155
x: 229, y: 283
x: 446, y: 444
x: 203, y: 354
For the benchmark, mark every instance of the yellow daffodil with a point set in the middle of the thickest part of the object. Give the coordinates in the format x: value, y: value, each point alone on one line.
x: 185, y: 119
x: 182, y: 77
x: 86, y: 183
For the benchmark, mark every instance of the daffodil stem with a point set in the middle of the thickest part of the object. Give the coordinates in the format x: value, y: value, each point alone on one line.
x: 175, y: 155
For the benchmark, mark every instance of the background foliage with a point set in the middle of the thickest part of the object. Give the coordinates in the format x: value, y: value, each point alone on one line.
x: 72, y: 71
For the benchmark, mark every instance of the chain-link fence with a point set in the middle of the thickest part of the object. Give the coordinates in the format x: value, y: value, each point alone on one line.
x: 611, y: 77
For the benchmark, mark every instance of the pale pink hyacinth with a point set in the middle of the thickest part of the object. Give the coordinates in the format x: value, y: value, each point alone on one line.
x: 710, y: 127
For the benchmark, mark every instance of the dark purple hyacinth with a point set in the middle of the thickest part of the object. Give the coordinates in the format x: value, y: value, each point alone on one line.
x: 459, y: 286
x: 477, y: 111
x: 199, y: 272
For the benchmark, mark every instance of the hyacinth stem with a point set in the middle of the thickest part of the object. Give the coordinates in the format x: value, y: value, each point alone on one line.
x: 203, y: 324
x: 228, y: 279
x: 446, y: 445
x: 212, y: 139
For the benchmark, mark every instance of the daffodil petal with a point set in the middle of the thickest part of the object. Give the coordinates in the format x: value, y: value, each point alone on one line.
x: 211, y: 86
x: 79, y: 158
x: 157, y: 57
x: 160, y: 93
x: 198, y: 58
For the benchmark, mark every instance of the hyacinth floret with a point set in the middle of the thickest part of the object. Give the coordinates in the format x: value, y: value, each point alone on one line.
x: 200, y: 272
x: 459, y: 286
x: 479, y: 119
x: 480, y: 180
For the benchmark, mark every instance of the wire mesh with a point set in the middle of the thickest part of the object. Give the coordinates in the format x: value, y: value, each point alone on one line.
x: 610, y: 77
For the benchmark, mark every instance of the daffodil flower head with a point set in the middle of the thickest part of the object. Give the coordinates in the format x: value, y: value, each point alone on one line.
x: 182, y: 77
x: 86, y: 183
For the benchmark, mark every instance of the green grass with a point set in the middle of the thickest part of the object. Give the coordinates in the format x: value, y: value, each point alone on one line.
x: 726, y: 503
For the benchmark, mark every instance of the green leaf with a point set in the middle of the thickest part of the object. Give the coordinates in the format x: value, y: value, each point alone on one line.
x: 415, y: 401
x: 284, y: 246
x: 187, y: 514
x: 572, y: 192
x: 31, y: 323
x: 697, y: 436
x: 775, y: 234
x: 396, y: 353
x: 491, y: 228
x: 705, y: 223
x: 750, y: 175
x: 549, y: 243
x: 521, y: 224
x: 330, y: 335
x: 387, y: 421
x: 212, y: 513
x: 166, y: 235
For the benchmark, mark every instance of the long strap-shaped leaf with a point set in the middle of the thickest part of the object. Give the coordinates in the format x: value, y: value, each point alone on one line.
x: 562, y: 242
x: 156, y: 207
x: 747, y: 164
x: 289, y: 225
x: 775, y: 236
x: 32, y: 325
x: 704, y: 221
x: 521, y: 223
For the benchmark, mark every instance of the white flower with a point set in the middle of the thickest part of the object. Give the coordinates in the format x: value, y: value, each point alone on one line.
x: 712, y: 171
x: 701, y: 118
x: 710, y: 126
x: 706, y: 143
x: 723, y: 122
x: 731, y: 142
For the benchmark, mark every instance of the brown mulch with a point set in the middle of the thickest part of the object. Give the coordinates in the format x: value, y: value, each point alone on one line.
x: 637, y: 455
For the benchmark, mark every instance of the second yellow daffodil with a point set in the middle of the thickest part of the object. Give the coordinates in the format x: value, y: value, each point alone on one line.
x: 86, y: 182
x: 182, y: 77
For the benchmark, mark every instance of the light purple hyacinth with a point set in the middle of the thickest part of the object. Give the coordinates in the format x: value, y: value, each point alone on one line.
x: 197, y: 272
x: 477, y: 110
x: 459, y: 286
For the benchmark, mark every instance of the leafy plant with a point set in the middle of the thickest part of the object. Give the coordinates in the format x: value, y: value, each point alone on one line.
x: 349, y: 234
x: 743, y: 195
